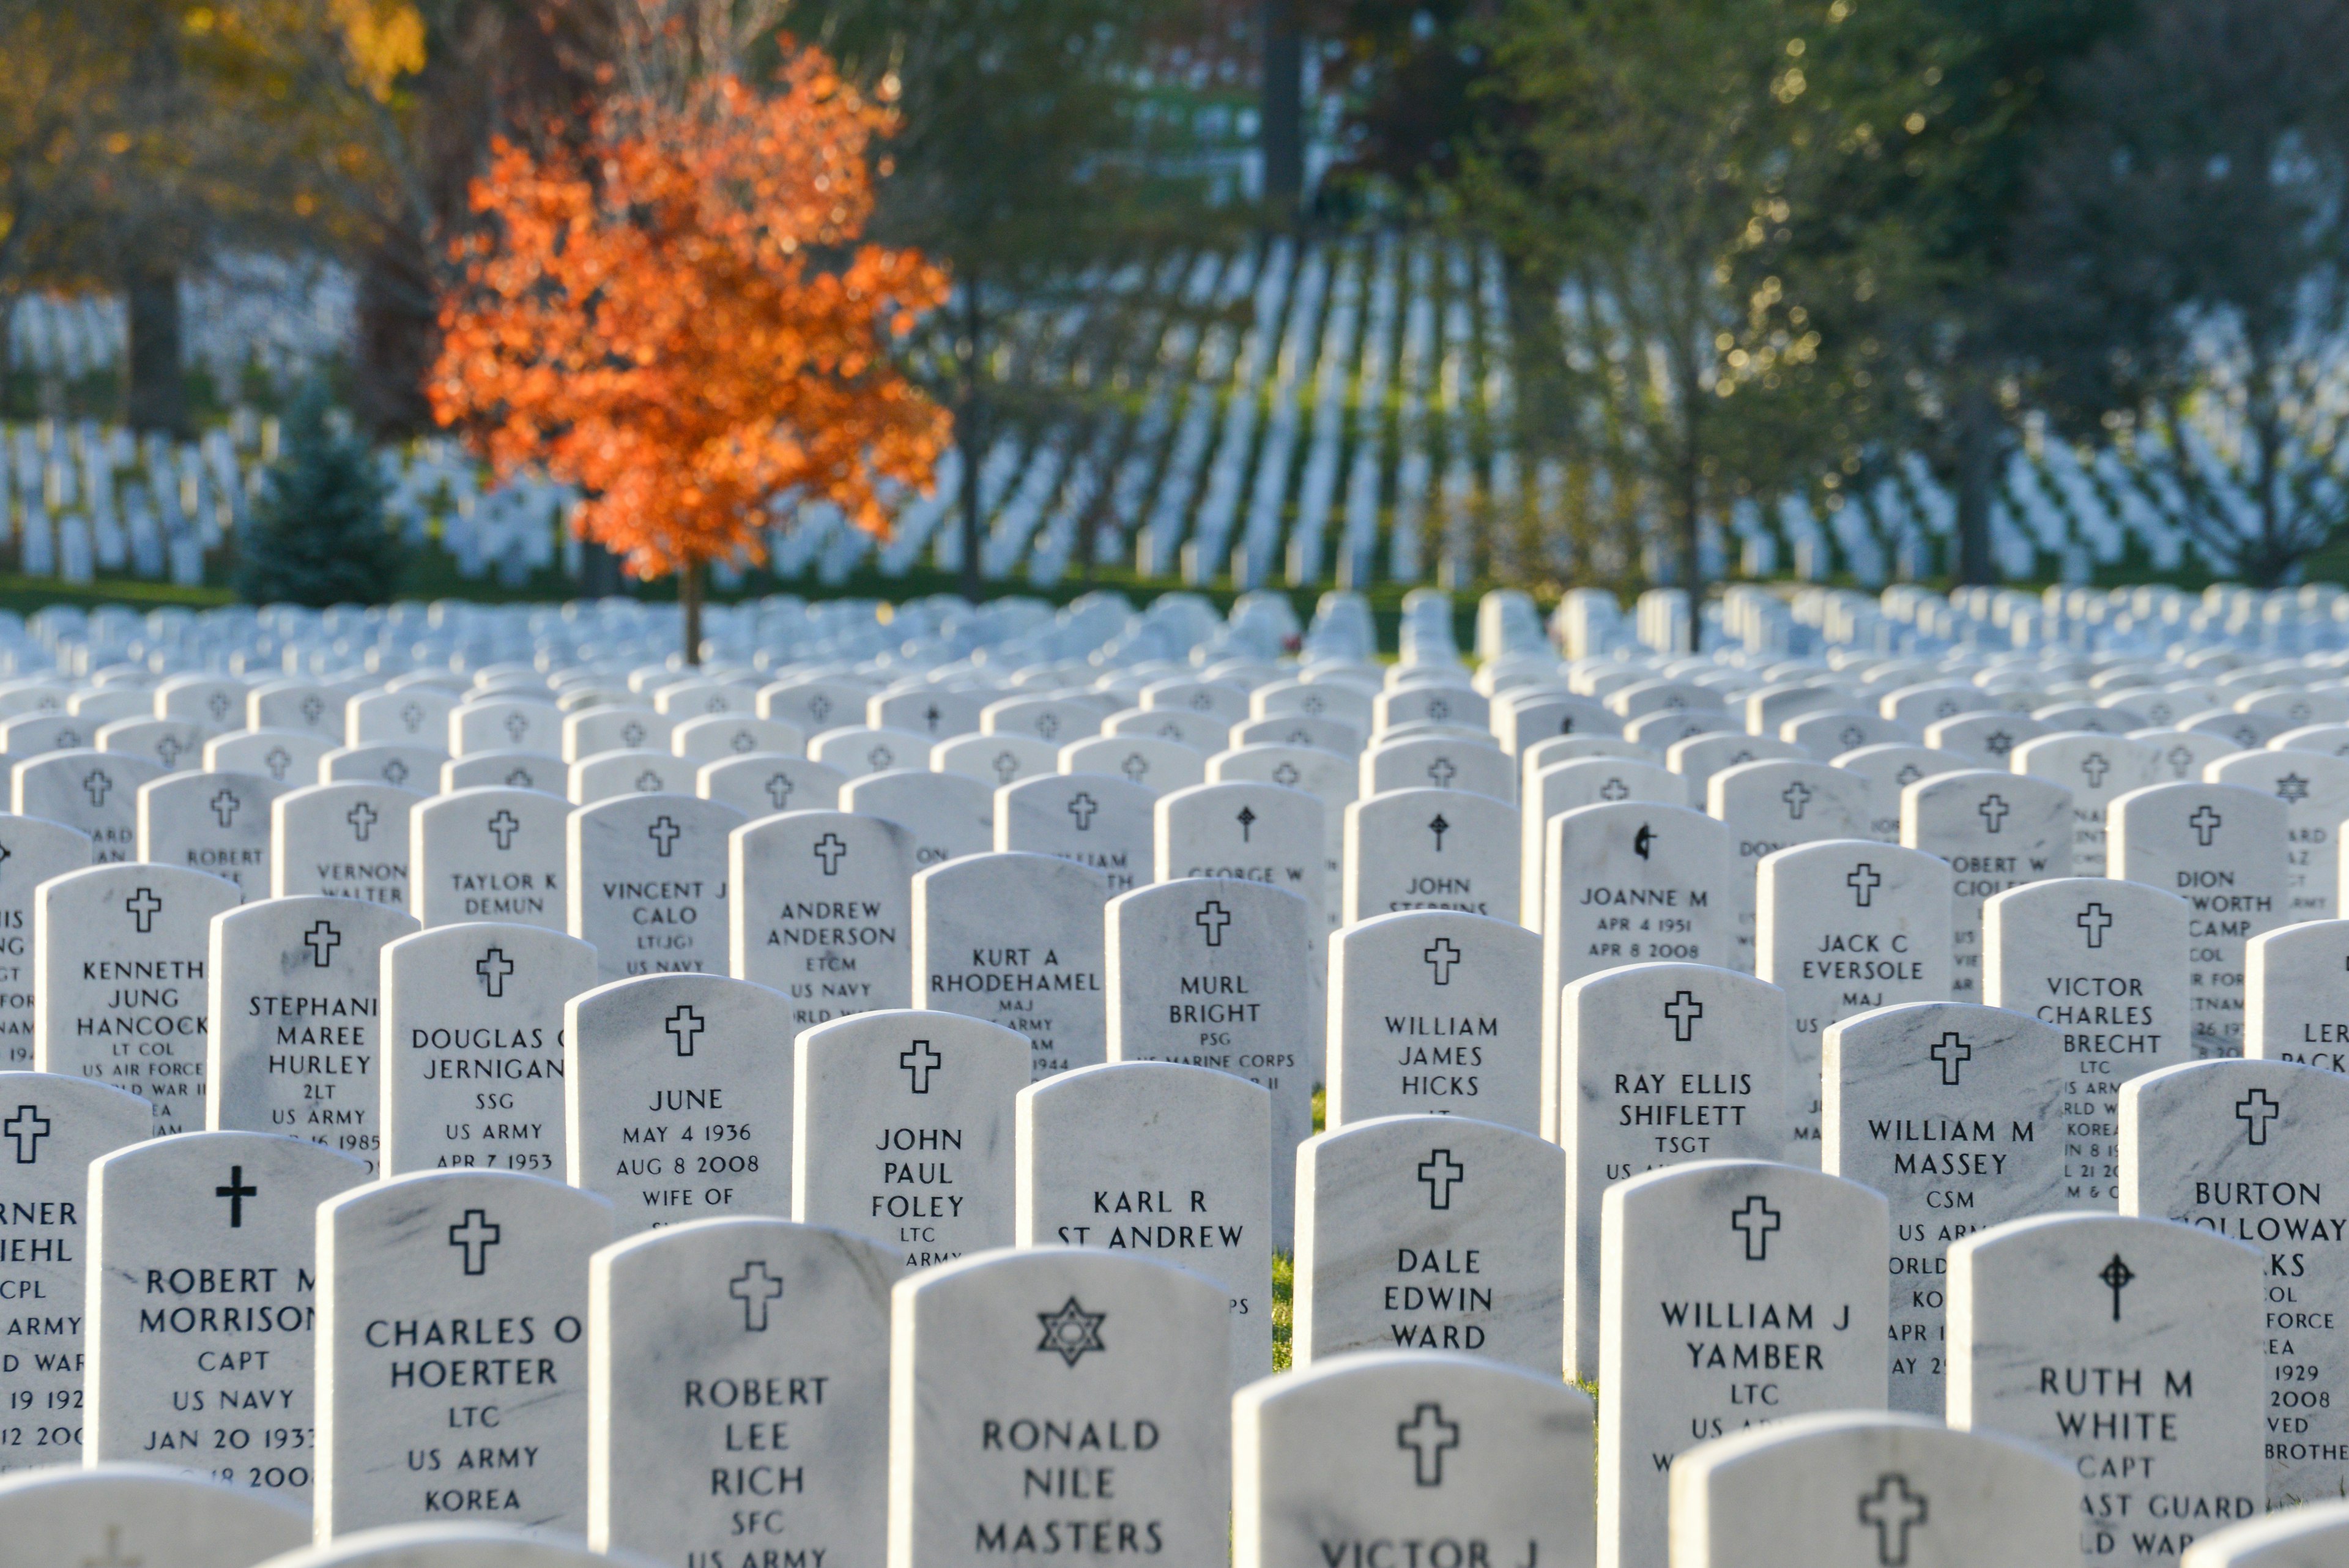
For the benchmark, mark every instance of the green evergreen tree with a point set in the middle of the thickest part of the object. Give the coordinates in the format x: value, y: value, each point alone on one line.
x: 319, y: 536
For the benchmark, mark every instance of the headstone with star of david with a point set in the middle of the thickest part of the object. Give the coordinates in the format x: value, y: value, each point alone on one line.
x: 714, y: 737
x: 204, y: 1254
x: 121, y: 952
x: 51, y: 1127
x: 821, y: 910
x: 1424, y: 1233
x: 1435, y: 1013
x: 1161, y: 1159
x: 95, y: 793
x: 2292, y: 1002
x: 174, y: 744
x: 1984, y: 740
x: 949, y: 814
x: 762, y: 784
x: 903, y: 1131
x: 452, y: 1351
x: 1156, y: 763
x: 1772, y: 804
x: 214, y: 823
x: 648, y: 883
x: 998, y: 1356
x: 417, y: 716
x: 282, y: 756
x: 489, y: 854
x: 1957, y: 1114
x: 347, y: 840
x: 1252, y: 832
x: 738, y: 1379
x: 609, y: 774
x: 1996, y: 831
x: 857, y: 751
x: 31, y: 852
x: 2245, y: 1148
x: 929, y: 709
x: 1568, y: 785
x: 1658, y: 1063
x: 1889, y: 769
x: 1728, y: 1291
x: 294, y: 1014
x: 1327, y: 776
x: 613, y: 727
x: 1225, y: 974
x: 541, y: 771
x: 675, y: 1099
x: 1101, y: 821
x: 1865, y: 1490
x: 1017, y: 939
x: 2097, y: 770
x: 2314, y: 790
x: 1298, y: 730
x: 127, y: 1515
x: 416, y: 768
x: 2115, y: 1341
x: 472, y: 1022
x: 993, y: 760
x: 504, y: 724
x: 1418, y: 1446
x: 1430, y: 849
x: 1439, y: 762
x: 2222, y: 848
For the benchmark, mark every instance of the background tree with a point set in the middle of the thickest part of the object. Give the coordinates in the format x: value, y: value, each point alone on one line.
x: 318, y: 535
x: 674, y: 319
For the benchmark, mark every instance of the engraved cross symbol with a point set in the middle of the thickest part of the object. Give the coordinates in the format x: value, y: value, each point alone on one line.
x: 779, y: 789
x: 503, y: 826
x: 742, y: 741
x: 1441, y: 771
x: 1439, y: 1172
x: 1048, y: 725
x: 1247, y: 819
x: 664, y: 835
x: 1994, y: 810
x: 362, y: 820
x: 1614, y: 789
x: 632, y: 733
x: 1081, y: 807
x: 2095, y: 920
x: 312, y: 706
x: 395, y: 772
x: 648, y: 783
x: 1864, y: 880
x: 236, y: 1192
x: 684, y: 1026
x: 98, y: 784
x: 920, y: 1059
x: 225, y: 806
x: 1135, y: 766
x: 879, y: 757
x: 1212, y: 918
x: 1951, y: 1052
x: 143, y: 907
x: 1797, y: 795
x: 754, y: 1289
x: 1007, y: 767
x: 1439, y: 827
x: 322, y: 939
x: 1285, y: 775
x: 1893, y: 1510
x: 1683, y: 1010
x: 1756, y: 1222
x: 517, y: 726
x: 2095, y: 767
x: 278, y: 761
x: 1441, y: 958
x: 476, y: 1235
x: 1427, y: 1435
x: 493, y: 968
x: 2206, y: 823
x: 413, y: 717
x: 2255, y: 1111
x: 28, y: 1126
x: 2117, y: 1277
x: 830, y: 850
x: 167, y: 749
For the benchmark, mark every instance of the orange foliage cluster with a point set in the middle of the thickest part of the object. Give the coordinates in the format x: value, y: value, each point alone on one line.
x: 669, y: 319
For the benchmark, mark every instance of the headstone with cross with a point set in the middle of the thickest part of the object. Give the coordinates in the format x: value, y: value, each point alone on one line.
x: 294, y: 1038
x: 1153, y: 761
x: 120, y: 953
x: 1435, y: 1013
x: 2110, y: 1339
x: 1058, y: 719
x: 903, y: 1131
x: 1318, y: 730
x: 993, y: 760
x: 489, y: 854
x: 2221, y: 848
x: 1889, y: 769
x: 2248, y: 1149
x: 2314, y: 790
x: 1430, y: 849
x: 473, y: 1016
x: 1089, y: 1340
x: 857, y: 751
x: 1522, y: 722
x: 301, y: 705
x: 814, y: 705
x: 1996, y: 831
x: 1658, y: 1063
x: 1257, y: 832
x: 2104, y: 962
x: 648, y: 883
x: 1223, y: 975
x: 675, y: 1099
x: 1433, y: 703
x: 542, y: 771
x: 1327, y: 776
x: 1410, y: 1446
x: 947, y: 813
x: 820, y: 910
x: 177, y: 745
x: 1097, y: 820
x: 51, y: 1127
x: 31, y: 734
x: 216, y: 700
x: 615, y: 727
x: 1225, y: 702
x: 1568, y: 785
x: 496, y: 1422
x: 129, y: 1516
x: 1698, y: 757
x: 1657, y: 733
x: 695, y: 1324
x: 417, y: 716
x: 1164, y: 1159
x: 416, y: 768
x: 1439, y: 762
x: 762, y: 783
x: 1347, y: 704
x: 2292, y: 1008
x: 713, y: 737
x: 1420, y: 1232
x: 214, y: 823
x: 607, y: 775
x: 1769, y: 806
x: 1861, y: 1489
x: 1845, y: 925
x: 1829, y: 732
x: 1017, y: 939
x: 347, y: 840
x: 504, y: 724
x: 2097, y: 770
x: 701, y: 695
x: 203, y: 1248
x: 94, y: 792
x: 929, y: 709
x: 31, y: 852
x: 1957, y: 1114
x: 282, y: 756
x: 1700, y: 1266
x: 1930, y: 701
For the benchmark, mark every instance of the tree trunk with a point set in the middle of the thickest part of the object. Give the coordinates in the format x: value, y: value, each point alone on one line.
x: 688, y: 597
x: 1978, y: 450
x: 397, y: 338
x: 969, y: 435
x: 156, y: 396
x: 1692, y: 498
x: 1283, y: 111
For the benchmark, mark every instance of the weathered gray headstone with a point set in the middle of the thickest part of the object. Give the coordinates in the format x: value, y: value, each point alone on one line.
x: 1435, y: 1013
x: 1096, y: 820
x: 1430, y: 849
x: 822, y: 910
x: 34, y: 852
x: 1772, y: 804
x: 648, y: 880
x: 96, y: 793
x: 2221, y: 848
x: 489, y: 854
x: 1017, y: 939
x: 342, y: 840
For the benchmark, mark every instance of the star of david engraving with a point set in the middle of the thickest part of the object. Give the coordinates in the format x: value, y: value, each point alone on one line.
x: 322, y: 939
x: 754, y: 1288
x: 1756, y: 1221
x: 684, y: 1026
x: 1439, y: 1173
x: 26, y: 1128
x: 2255, y: 1111
x: 1428, y: 1436
x: 1071, y: 1332
x: 1998, y: 743
x: 143, y: 907
x: 879, y: 757
x: 742, y: 741
x: 1892, y: 1510
x: 236, y: 1191
x: 2292, y: 789
x: 475, y: 1235
x: 493, y: 968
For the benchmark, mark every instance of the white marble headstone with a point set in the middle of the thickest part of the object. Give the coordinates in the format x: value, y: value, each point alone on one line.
x: 1432, y: 1013
x: 345, y: 840
x: 35, y: 851
x: 121, y: 1516
x: 489, y: 854
x: 2221, y: 848
x: 94, y: 792
x: 1017, y: 939
x: 648, y: 881
x: 1430, y: 849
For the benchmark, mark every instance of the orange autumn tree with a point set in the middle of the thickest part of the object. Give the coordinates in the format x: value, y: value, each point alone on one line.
x: 674, y: 317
